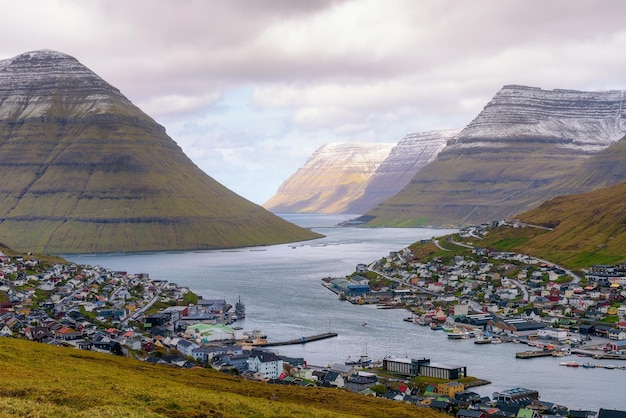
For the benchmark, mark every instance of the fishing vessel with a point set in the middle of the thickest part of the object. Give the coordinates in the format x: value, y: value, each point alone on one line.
x: 362, y: 361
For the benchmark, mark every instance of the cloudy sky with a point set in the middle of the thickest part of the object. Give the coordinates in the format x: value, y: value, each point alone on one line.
x: 250, y: 88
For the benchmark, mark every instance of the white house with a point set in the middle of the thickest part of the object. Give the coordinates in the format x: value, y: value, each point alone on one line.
x: 266, y: 363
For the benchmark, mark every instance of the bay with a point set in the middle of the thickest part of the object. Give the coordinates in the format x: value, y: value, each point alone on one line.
x: 281, y: 288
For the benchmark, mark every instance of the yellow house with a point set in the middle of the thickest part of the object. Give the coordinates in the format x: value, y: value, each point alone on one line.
x: 450, y: 388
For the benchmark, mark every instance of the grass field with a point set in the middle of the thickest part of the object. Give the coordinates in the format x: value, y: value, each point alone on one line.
x: 40, y: 380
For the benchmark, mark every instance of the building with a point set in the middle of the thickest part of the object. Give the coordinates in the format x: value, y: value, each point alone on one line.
x: 268, y: 364
x: 515, y: 394
x: 450, y: 389
x: 423, y: 367
x: 442, y: 371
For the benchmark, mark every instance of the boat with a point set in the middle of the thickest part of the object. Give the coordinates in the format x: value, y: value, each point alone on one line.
x: 485, y: 339
x: 609, y: 366
x: 435, y: 327
x: 458, y: 335
x: 496, y: 341
x: 362, y: 361
x: 569, y: 364
x: 363, y: 324
x: 240, y: 309
x: 589, y: 366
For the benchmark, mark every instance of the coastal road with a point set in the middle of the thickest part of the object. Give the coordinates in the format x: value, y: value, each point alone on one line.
x: 143, y: 308
x: 421, y: 289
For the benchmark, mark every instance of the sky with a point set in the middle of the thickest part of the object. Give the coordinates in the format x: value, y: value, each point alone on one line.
x: 251, y: 88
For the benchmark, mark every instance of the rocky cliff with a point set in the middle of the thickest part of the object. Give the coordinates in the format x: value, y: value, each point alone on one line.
x: 87, y: 171
x: 355, y: 177
x: 510, y: 158
x: 405, y: 159
x: 333, y: 177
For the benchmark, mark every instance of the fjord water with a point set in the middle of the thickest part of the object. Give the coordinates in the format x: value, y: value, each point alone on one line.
x: 281, y: 288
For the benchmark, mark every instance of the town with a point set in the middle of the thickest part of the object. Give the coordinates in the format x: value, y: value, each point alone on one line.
x: 491, y: 296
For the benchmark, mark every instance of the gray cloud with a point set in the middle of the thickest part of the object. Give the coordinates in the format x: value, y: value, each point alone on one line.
x: 319, y: 71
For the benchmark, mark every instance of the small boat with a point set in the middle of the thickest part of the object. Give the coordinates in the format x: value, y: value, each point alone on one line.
x: 589, y: 366
x: 569, y: 364
x: 363, y: 360
x: 457, y: 334
x: 609, y: 366
x: 447, y: 328
x: 363, y: 324
x: 496, y: 341
x: 435, y: 327
x: 483, y: 340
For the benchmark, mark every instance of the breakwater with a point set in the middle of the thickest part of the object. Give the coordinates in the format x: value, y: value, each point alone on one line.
x: 302, y: 340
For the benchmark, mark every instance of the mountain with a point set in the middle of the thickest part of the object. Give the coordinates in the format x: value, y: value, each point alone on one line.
x: 512, y: 157
x: 409, y: 156
x: 87, y: 171
x: 586, y: 229
x: 334, y: 176
x: 355, y: 177
x: 602, y: 169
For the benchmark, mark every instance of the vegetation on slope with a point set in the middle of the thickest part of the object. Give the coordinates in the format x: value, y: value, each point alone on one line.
x: 93, y: 173
x: 586, y: 229
x: 42, y: 380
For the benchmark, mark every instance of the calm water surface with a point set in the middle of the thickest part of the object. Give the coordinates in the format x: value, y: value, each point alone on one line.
x: 281, y: 288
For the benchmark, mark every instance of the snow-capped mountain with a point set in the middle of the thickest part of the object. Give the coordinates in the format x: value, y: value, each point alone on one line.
x: 512, y: 157
x: 354, y: 177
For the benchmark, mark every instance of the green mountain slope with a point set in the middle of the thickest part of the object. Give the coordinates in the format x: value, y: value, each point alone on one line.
x: 87, y: 171
x: 39, y: 380
x: 588, y: 229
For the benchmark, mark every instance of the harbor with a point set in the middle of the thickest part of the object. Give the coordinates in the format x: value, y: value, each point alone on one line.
x: 289, y: 302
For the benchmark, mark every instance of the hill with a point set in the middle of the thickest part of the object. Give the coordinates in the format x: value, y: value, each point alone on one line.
x: 587, y: 229
x: 512, y: 157
x: 331, y: 179
x: 85, y: 170
x: 355, y: 177
x: 42, y: 380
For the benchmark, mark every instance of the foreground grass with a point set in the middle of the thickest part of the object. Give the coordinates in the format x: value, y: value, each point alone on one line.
x: 39, y: 380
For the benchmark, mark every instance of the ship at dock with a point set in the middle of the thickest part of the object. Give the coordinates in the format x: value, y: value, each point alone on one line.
x: 240, y: 309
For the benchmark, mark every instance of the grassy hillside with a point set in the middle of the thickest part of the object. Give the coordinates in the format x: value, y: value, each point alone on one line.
x: 463, y: 187
x: 588, y: 229
x: 85, y: 170
x: 40, y: 380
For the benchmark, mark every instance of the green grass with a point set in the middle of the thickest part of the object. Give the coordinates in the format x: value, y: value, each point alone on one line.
x: 39, y: 380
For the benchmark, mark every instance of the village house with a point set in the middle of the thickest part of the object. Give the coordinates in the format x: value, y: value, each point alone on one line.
x: 265, y: 363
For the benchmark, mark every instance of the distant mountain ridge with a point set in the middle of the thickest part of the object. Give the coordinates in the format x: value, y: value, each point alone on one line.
x: 516, y: 154
x: 354, y: 177
x: 87, y: 171
x: 334, y: 176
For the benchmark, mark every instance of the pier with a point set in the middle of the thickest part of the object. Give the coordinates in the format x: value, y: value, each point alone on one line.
x: 302, y: 340
x: 533, y: 354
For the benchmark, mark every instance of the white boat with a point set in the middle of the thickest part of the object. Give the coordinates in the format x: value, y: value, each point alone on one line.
x: 362, y: 361
x: 457, y: 334
x: 483, y: 340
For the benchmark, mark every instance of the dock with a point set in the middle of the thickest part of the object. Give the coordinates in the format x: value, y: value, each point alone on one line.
x: 533, y: 354
x: 302, y: 340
